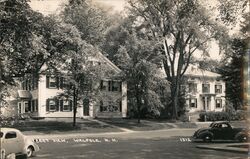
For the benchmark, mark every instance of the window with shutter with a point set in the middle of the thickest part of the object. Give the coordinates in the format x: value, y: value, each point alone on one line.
x: 218, y: 103
x: 193, y: 103
x: 52, y: 105
x: 218, y: 89
x: 52, y: 82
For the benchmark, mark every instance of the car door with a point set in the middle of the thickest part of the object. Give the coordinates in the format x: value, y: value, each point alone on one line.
x: 227, y: 131
x: 11, y: 143
x: 217, y: 132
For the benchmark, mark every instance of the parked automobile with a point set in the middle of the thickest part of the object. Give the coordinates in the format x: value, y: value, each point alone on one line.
x: 221, y: 131
x: 13, y: 141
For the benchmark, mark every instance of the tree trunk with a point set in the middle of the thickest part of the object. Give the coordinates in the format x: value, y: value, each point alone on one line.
x: 174, y: 97
x: 75, y: 93
x: 138, y: 101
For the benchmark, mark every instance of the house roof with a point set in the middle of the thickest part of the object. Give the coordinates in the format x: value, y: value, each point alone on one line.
x: 99, y: 56
x: 193, y: 70
x: 24, y: 94
x: 104, y: 58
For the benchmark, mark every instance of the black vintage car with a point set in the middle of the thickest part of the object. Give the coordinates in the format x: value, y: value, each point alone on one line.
x: 221, y: 131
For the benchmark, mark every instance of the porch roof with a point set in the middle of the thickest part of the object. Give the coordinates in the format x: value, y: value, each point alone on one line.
x: 24, y: 94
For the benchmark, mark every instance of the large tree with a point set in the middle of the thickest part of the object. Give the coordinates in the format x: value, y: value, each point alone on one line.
x: 91, y: 19
x: 20, y: 42
x: 182, y: 27
x: 235, y: 68
x: 135, y: 54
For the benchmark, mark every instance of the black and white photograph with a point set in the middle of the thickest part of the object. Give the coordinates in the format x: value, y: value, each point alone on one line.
x: 119, y: 79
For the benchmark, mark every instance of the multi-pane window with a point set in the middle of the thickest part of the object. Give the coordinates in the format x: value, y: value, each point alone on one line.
x: 205, y: 88
x: 193, y: 102
x: 218, y: 88
x: 114, y: 86
x: 52, y: 82
x: 192, y: 87
x: 218, y: 103
x: 65, y: 105
x: 52, y: 105
x: 110, y: 106
x: 104, y: 85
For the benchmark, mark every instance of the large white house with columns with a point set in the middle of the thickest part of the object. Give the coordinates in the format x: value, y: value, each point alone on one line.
x: 205, y: 91
x: 40, y: 99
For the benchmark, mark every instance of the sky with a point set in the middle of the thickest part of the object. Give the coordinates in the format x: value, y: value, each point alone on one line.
x: 52, y: 6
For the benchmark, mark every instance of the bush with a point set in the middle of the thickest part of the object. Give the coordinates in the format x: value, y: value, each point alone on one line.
x: 221, y: 116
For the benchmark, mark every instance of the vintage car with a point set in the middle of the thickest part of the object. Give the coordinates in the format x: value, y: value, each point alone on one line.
x: 221, y: 131
x: 14, y: 142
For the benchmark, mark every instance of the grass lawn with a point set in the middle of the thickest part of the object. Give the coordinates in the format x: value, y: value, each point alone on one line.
x: 132, y: 124
x: 61, y: 126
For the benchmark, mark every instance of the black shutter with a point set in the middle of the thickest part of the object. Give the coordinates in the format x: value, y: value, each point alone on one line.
x: 57, y: 104
x: 29, y: 106
x: 120, y: 106
x: 61, y: 82
x: 61, y: 105
x: 57, y: 82
x: 110, y: 86
x: 36, y: 105
x: 120, y: 85
x: 101, y: 85
x: 47, y: 105
x: 101, y: 106
x: 70, y: 105
x: 47, y: 81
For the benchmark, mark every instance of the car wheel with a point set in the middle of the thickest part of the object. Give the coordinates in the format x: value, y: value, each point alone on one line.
x: 243, y: 138
x: 207, y: 138
x: 30, y: 151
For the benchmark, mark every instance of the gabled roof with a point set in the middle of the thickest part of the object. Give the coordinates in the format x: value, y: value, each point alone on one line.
x: 111, y: 64
x: 193, y: 70
x: 98, y: 56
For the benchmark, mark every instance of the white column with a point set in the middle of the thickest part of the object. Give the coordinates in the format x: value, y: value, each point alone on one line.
x: 205, y: 98
x: 212, y: 103
x: 124, y: 99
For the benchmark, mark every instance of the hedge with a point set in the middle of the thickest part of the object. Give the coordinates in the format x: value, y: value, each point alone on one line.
x: 222, y: 116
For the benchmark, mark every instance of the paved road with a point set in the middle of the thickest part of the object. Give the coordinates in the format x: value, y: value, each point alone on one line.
x: 124, y: 147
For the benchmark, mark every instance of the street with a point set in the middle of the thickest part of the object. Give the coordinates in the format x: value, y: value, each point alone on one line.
x: 132, y: 145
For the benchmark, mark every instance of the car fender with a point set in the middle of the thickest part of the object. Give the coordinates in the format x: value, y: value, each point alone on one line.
x: 28, y: 142
x: 203, y: 134
x: 240, y: 134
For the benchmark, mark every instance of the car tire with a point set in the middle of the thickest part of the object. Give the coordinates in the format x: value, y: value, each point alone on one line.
x: 207, y: 138
x: 243, y: 138
x: 30, y: 151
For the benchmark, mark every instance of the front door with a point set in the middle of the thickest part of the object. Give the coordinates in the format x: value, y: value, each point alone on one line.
x: 206, y: 103
x: 86, y: 107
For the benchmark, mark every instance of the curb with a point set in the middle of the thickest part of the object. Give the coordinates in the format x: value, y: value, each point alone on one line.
x: 225, y: 147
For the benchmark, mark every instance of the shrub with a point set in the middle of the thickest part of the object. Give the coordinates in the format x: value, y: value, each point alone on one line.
x: 221, y: 116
